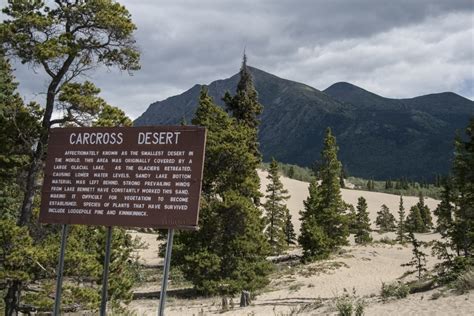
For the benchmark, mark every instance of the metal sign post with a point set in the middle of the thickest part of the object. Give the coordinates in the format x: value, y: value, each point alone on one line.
x: 166, y: 269
x: 59, y: 279
x: 105, y: 276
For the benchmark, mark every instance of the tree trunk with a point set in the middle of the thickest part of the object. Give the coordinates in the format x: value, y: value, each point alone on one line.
x: 245, y: 299
x: 12, y: 299
x: 27, y: 205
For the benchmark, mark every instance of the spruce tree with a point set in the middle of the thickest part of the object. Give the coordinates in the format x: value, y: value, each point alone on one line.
x: 414, y: 220
x: 244, y: 105
x: 445, y: 210
x: 313, y: 238
x: 401, y: 229
x: 418, y: 260
x: 362, y: 235
x: 463, y: 178
x: 288, y: 229
x: 275, y: 210
x: 19, y: 130
x: 425, y: 213
x: 456, y: 212
x: 351, y: 218
x: 324, y: 224
x: 228, y: 253
x: 385, y: 220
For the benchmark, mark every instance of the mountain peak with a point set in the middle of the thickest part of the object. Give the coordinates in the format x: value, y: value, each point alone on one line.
x: 378, y: 137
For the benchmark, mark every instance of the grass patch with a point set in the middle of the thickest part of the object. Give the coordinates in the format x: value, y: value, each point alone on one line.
x: 464, y: 282
x: 321, y: 267
x: 396, y: 290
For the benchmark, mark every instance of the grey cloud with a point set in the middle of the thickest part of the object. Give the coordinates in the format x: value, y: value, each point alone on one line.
x: 369, y: 42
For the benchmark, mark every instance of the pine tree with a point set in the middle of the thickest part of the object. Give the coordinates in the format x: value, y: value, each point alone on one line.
x: 401, y: 229
x: 445, y: 210
x: 341, y: 179
x: 414, y: 220
x: 419, y: 257
x: 385, y: 220
x: 288, y: 229
x: 362, y: 235
x: 244, y: 105
x: 425, y: 213
x: 79, y: 38
x: 351, y: 218
x: 313, y: 238
x: 291, y: 172
x: 463, y: 178
x: 275, y: 210
x: 228, y: 253
x: 324, y: 224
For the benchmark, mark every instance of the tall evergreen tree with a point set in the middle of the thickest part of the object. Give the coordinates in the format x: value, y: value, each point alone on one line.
x: 414, y: 221
x: 19, y: 130
x: 289, y: 229
x: 228, y: 253
x: 385, y: 220
x: 65, y: 39
x: 324, y: 224
x: 401, y: 227
x: 244, y: 105
x: 424, y: 212
x: 445, y: 210
x: 418, y: 260
x: 463, y: 176
x: 275, y: 210
x: 362, y: 234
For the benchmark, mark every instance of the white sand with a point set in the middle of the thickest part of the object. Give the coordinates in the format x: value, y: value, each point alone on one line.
x: 299, y: 192
x: 362, y: 268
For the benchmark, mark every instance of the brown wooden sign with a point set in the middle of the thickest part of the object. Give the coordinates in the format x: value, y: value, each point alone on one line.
x: 124, y: 176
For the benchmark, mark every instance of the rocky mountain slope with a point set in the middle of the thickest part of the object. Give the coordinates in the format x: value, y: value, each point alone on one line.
x: 378, y: 137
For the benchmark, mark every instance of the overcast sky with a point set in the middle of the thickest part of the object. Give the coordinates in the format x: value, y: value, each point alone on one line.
x: 395, y: 48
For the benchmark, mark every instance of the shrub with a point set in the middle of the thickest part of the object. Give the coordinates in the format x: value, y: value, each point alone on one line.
x: 464, y: 282
x: 396, y: 289
x: 349, y: 304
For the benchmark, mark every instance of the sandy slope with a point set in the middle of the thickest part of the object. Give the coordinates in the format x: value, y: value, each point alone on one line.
x: 362, y: 268
x: 299, y: 192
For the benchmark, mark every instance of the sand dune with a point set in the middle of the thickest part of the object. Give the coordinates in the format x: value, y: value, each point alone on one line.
x: 300, y: 288
x: 299, y: 192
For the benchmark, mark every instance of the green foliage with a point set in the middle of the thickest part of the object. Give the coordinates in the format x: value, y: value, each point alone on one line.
x: 66, y: 40
x: 385, y: 219
x: 418, y: 260
x: 348, y: 305
x: 401, y: 225
x: 362, y: 234
x: 16, y: 253
x: 324, y: 225
x: 463, y: 177
x: 396, y: 290
x: 228, y: 253
x: 414, y: 221
x: 425, y: 212
x: 456, y: 213
x: 276, y: 212
x: 19, y: 129
x: 288, y: 229
x: 465, y: 282
x: 244, y: 106
x: 409, y: 188
x: 445, y: 209
x: 293, y: 171
x: 224, y: 148
x: 82, y: 106
x: 77, y: 34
